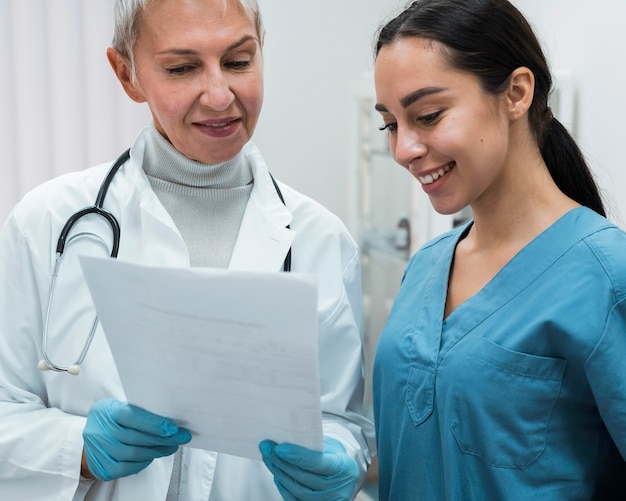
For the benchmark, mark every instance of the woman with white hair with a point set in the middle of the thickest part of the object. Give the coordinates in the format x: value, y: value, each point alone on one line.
x: 193, y: 190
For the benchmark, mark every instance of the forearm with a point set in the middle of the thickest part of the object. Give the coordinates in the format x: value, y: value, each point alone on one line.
x: 84, y: 469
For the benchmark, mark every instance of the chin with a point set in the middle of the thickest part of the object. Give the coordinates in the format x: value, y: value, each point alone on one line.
x: 446, y: 209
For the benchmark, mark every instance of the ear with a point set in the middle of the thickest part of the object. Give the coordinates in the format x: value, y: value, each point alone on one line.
x: 520, y: 92
x: 122, y: 69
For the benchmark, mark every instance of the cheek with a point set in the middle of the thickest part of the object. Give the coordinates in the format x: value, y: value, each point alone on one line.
x: 251, y: 96
x: 168, y: 105
x: 492, y: 141
x: 469, y: 134
x: 450, y: 141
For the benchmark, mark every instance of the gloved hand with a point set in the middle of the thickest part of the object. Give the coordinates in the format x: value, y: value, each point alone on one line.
x: 305, y: 475
x: 121, y: 439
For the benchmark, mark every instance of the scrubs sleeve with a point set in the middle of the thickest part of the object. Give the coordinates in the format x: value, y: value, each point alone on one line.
x: 40, y: 447
x: 607, y: 375
x: 342, y: 367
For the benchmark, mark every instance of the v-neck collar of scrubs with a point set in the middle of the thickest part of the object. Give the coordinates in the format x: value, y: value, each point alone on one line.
x: 523, y: 269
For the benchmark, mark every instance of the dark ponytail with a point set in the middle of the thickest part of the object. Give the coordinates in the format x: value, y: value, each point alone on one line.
x: 491, y: 39
x: 568, y: 168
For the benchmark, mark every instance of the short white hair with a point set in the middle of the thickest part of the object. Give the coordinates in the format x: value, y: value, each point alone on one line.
x: 128, y: 24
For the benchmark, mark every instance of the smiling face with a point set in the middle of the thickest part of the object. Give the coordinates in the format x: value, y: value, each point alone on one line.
x: 443, y: 127
x: 199, y: 67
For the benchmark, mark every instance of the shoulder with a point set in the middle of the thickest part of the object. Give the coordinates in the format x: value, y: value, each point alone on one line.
x: 608, y: 246
x: 33, y: 226
x: 313, y: 223
x: 320, y: 233
x: 307, y: 211
x: 322, y: 243
x: 54, y: 197
x: 590, y: 250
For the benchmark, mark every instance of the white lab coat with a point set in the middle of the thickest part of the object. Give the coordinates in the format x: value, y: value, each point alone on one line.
x: 42, y: 414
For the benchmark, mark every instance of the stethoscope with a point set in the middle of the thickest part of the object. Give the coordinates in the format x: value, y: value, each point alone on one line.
x: 97, y: 208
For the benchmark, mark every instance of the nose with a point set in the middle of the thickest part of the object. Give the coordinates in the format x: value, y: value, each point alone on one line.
x: 409, y: 146
x: 216, y: 91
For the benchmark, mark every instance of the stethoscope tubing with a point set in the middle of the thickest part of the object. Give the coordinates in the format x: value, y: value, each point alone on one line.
x: 98, y: 209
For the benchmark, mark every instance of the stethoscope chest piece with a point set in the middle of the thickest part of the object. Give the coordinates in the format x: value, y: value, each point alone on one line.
x: 73, y: 369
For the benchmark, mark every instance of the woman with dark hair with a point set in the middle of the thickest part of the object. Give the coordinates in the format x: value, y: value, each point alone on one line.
x: 499, y: 374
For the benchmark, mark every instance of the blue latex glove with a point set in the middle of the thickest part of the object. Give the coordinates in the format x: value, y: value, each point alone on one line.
x: 305, y: 475
x: 121, y: 439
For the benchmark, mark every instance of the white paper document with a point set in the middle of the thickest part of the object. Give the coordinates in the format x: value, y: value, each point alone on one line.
x: 229, y: 355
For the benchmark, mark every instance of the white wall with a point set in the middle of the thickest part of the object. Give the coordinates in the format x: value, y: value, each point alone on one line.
x: 61, y: 108
x: 314, y: 50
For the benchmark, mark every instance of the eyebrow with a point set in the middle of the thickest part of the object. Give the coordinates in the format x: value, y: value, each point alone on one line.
x: 233, y: 46
x: 413, y: 97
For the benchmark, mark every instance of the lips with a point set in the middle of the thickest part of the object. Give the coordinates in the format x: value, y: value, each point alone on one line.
x: 222, y: 127
x: 218, y: 122
x: 433, y: 176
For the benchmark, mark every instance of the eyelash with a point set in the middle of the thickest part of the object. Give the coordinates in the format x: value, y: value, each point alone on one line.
x: 238, y: 64
x: 430, y: 118
x: 390, y: 127
x: 181, y: 70
x: 425, y: 119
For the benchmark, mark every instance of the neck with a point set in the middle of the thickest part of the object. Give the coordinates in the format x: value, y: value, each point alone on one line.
x: 523, y: 203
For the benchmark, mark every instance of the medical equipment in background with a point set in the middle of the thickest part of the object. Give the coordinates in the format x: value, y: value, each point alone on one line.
x: 402, y: 236
x: 97, y: 208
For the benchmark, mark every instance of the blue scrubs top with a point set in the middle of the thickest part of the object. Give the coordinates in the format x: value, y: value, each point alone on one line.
x: 520, y: 393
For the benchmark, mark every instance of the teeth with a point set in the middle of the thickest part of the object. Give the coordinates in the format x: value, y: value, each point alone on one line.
x: 431, y: 178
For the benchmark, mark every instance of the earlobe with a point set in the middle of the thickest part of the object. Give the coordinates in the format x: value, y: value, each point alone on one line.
x: 520, y: 92
x: 123, y: 72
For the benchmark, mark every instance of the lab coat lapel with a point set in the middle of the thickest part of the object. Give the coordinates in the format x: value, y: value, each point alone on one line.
x: 264, y: 239
x: 167, y: 246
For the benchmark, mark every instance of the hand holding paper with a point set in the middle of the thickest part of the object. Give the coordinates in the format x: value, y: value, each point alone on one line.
x: 121, y: 439
x: 303, y: 475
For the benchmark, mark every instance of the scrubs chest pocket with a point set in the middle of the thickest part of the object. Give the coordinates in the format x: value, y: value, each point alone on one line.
x: 502, y: 402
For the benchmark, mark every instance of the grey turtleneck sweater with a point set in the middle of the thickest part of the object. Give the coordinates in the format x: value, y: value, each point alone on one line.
x: 206, y: 202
